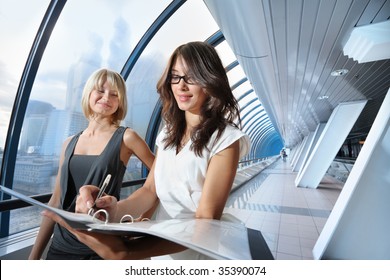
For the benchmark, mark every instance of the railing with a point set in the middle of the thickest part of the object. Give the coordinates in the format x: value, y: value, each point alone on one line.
x: 17, y: 246
x: 248, y: 162
x: 12, y: 204
x: 340, y: 168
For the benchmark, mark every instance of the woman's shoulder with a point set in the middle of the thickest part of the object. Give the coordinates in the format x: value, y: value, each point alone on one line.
x: 71, y: 138
x: 230, y: 135
x: 129, y: 134
x: 68, y: 140
x: 161, y: 136
x: 231, y: 131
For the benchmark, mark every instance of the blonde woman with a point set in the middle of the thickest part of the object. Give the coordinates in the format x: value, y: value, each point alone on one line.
x: 103, y: 148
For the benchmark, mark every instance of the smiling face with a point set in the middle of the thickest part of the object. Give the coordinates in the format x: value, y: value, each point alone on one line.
x: 104, y: 94
x: 189, y: 97
x: 104, y: 100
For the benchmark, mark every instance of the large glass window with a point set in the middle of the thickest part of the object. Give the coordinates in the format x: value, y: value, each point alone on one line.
x: 18, y: 30
x: 192, y: 22
x: 226, y: 54
x: 89, y: 35
x: 235, y: 75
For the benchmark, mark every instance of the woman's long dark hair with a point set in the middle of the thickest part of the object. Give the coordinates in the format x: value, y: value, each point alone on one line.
x: 220, y: 109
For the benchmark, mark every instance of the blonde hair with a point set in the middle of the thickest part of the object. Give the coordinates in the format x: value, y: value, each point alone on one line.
x: 96, y: 81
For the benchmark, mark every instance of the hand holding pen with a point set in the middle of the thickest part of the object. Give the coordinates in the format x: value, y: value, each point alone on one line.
x: 91, y: 210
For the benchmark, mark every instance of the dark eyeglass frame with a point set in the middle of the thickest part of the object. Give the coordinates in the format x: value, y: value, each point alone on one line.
x: 185, y: 79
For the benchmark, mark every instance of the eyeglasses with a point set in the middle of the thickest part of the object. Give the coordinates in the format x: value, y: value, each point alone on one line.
x: 175, y: 79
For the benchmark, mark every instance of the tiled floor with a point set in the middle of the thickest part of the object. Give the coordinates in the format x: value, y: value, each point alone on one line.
x: 289, y: 218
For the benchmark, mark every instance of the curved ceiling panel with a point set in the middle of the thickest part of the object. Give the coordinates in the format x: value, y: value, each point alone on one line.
x: 289, y: 49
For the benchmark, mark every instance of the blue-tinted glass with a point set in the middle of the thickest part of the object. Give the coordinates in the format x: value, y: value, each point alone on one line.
x: 146, y: 72
x: 89, y: 34
x: 17, y: 33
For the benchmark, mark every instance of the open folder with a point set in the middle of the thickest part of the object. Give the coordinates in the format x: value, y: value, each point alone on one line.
x: 214, y: 238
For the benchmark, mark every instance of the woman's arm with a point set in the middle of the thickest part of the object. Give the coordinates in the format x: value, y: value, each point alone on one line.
x: 115, y: 247
x: 138, y: 203
x: 218, y: 183
x: 136, y: 145
x: 141, y: 201
x: 47, y: 225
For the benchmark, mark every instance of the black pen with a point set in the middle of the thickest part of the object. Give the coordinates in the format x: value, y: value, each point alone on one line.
x: 100, y: 193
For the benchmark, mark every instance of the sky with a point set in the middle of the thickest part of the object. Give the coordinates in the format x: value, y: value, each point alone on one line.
x: 66, y: 46
x: 86, y: 29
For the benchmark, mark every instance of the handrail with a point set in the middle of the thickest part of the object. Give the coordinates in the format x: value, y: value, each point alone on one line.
x: 253, y: 160
x: 12, y: 204
x: 345, y: 160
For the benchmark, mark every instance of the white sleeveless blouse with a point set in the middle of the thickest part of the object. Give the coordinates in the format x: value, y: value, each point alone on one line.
x: 179, y: 178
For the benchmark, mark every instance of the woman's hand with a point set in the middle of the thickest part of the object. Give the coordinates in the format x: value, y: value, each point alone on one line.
x: 106, y: 246
x: 85, y: 201
x: 116, y: 248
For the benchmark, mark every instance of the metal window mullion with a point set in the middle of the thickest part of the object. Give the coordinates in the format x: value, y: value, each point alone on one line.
x: 21, y: 100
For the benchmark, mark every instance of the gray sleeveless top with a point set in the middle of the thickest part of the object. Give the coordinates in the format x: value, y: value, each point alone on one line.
x: 87, y: 170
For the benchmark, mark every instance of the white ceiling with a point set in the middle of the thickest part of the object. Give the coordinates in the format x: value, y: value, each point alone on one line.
x: 288, y: 50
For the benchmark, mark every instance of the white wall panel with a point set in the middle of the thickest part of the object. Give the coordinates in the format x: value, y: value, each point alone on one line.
x: 335, y: 132
x: 359, y: 225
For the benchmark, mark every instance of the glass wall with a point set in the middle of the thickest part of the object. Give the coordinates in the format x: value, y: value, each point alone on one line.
x: 89, y: 35
x: 18, y: 30
x: 143, y: 78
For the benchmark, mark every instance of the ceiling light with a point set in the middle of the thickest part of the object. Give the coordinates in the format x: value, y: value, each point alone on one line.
x: 323, y: 97
x: 339, y: 72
